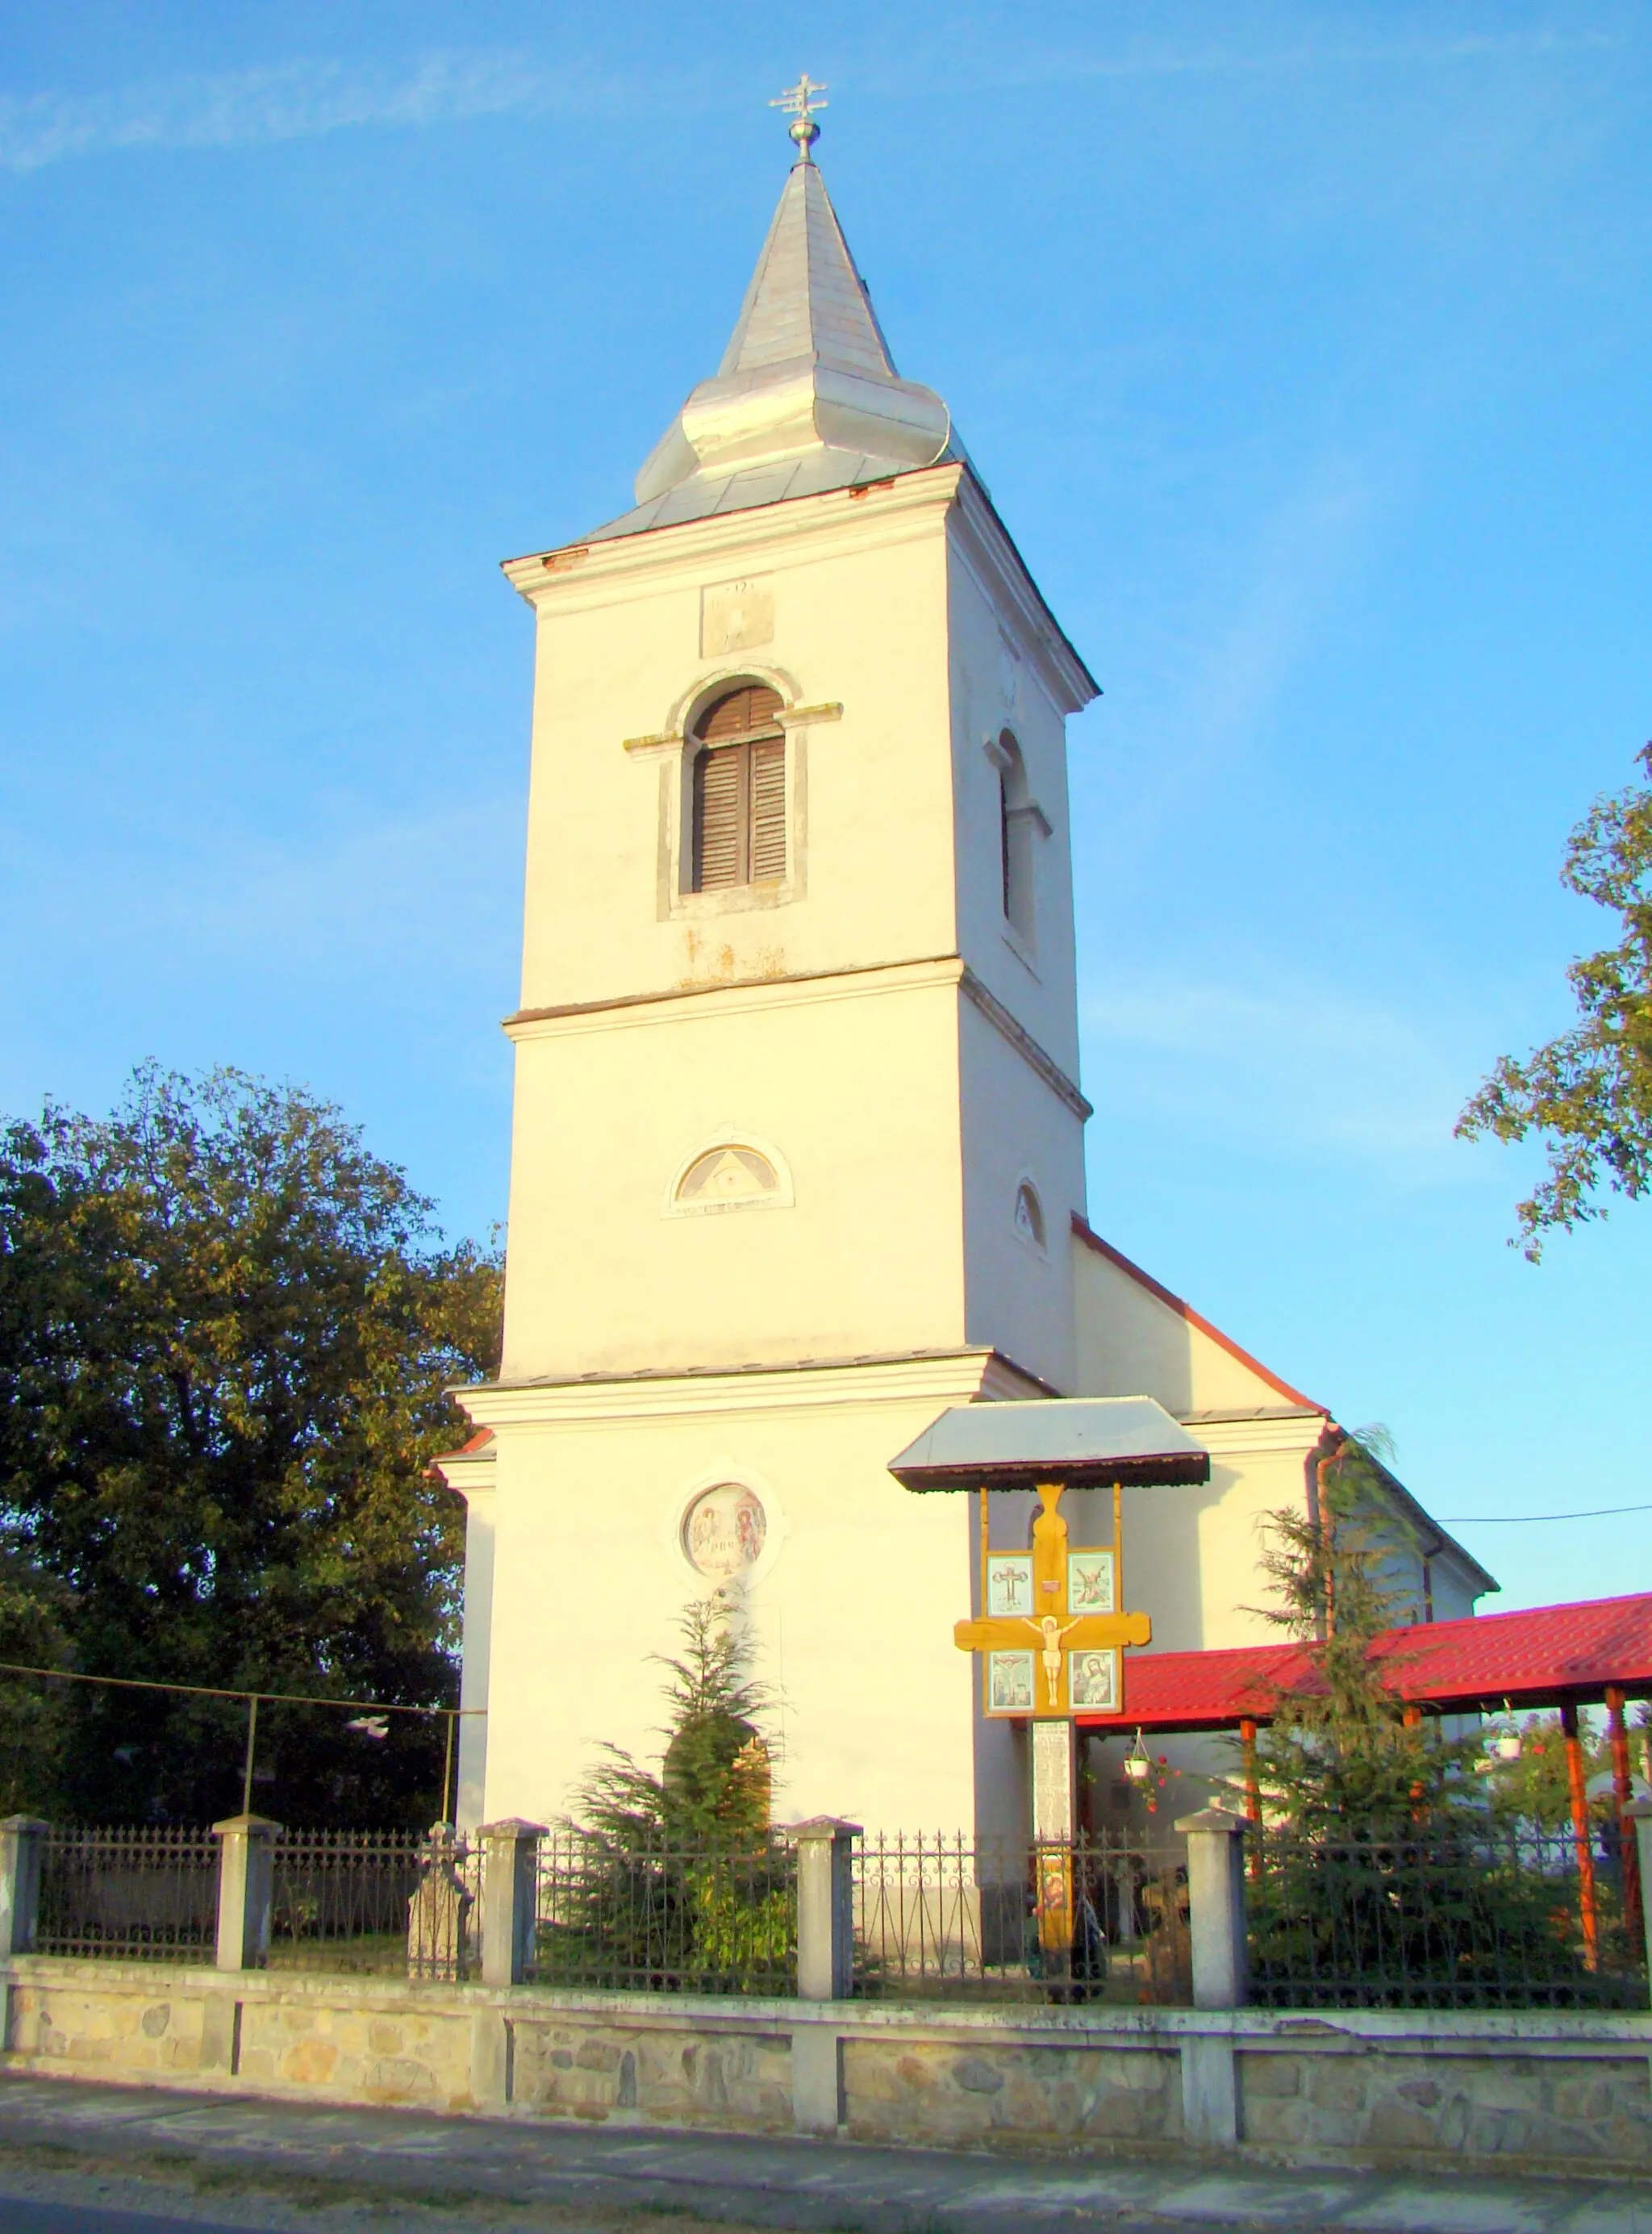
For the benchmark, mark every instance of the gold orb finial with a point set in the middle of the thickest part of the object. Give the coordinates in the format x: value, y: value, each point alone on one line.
x: 800, y: 103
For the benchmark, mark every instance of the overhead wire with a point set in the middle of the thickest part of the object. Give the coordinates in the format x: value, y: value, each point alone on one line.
x: 1513, y: 1519
x: 253, y: 1701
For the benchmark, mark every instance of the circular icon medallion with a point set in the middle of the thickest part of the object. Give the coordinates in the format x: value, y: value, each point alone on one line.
x: 723, y: 1530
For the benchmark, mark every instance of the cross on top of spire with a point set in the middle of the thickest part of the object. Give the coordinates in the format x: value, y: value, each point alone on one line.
x: 800, y: 103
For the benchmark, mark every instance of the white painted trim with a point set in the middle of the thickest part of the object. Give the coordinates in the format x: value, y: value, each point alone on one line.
x: 948, y: 1377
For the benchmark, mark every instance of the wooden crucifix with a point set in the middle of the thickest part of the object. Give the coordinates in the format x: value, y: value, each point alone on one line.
x: 1032, y: 1631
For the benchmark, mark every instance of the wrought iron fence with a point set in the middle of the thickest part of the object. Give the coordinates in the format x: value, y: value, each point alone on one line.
x: 1500, y: 1917
x: 147, y: 1894
x: 376, y: 1901
x: 701, y: 1917
x: 951, y: 1917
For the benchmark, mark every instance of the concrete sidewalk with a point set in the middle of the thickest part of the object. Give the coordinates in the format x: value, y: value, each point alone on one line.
x: 522, y: 2174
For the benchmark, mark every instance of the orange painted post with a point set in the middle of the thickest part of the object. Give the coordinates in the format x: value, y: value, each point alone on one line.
x: 1252, y: 1792
x: 1575, y: 1781
x: 1413, y: 1720
x: 1624, y: 1791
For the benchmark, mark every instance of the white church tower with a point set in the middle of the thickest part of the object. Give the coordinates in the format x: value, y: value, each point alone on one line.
x: 797, y: 1127
x: 798, y: 1131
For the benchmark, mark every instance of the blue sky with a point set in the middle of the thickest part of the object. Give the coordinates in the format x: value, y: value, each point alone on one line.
x: 1305, y: 352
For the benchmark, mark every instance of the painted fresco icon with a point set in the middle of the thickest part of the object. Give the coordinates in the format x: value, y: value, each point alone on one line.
x: 1009, y: 1683
x: 1089, y: 1581
x: 724, y: 1531
x: 1093, y: 1682
x: 1010, y: 1583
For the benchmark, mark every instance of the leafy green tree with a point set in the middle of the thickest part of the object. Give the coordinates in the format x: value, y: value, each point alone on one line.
x: 226, y: 1329
x: 1588, y: 1092
x: 34, y: 1608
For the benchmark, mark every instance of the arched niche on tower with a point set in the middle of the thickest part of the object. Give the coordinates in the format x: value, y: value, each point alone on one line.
x: 735, y: 1169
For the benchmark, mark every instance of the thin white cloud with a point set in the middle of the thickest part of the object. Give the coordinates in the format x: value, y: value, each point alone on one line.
x: 1253, y: 594
x: 1297, y: 1066
x: 1152, y: 60
x: 303, y: 99
x: 289, y: 101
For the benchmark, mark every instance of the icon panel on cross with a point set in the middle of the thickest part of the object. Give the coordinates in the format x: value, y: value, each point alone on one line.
x: 1050, y: 1632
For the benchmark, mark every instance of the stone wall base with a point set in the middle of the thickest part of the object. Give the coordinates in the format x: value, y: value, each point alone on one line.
x: 1565, y: 2092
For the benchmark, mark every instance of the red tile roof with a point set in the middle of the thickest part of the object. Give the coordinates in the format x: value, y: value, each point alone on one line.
x: 479, y: 1441
x: 1534, y: 1658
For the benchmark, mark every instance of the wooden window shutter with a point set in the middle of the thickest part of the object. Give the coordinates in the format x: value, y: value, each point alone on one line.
x: 717, y: 819
x: 767, y: 811
x: 741, y: 714
x: 739, y: 792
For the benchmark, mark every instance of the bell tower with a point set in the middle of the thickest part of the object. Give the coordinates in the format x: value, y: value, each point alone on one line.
x: 797, y: 1131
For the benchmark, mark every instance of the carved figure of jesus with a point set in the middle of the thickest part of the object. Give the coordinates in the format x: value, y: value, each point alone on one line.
x: 1052, y: 1631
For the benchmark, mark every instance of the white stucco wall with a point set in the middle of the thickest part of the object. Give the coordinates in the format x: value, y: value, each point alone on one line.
x: 827, y: 1017
x: 851, y: 1610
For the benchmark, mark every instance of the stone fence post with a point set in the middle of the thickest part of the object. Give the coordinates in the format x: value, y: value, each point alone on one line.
x: 1639, y: 1811
x: 1215, y: 1904
x: 245, y: 1889
x: 825, y: 1909
x: 825, y: 1953
x: 22, y: 1850
x: 510, y: 1899
x: 1215, y: 1927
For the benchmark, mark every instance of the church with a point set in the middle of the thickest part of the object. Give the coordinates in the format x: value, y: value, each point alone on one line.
x: 797, y: 1151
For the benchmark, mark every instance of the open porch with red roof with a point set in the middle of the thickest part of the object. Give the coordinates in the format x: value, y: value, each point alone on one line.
x: 1596, y: 1653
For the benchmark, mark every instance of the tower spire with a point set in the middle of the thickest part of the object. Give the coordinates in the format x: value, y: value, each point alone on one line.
x: 807, y: 397
x: 800, y: 103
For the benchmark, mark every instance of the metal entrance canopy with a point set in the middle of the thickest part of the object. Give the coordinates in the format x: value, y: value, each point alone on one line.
x: 1082, y: 1442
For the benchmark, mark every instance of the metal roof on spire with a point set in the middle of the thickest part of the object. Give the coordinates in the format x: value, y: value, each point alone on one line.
x: 806, y: 297
x: 807, y: 397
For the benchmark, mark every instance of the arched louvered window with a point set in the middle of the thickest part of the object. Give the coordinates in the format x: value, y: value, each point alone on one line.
x: 739, y: 791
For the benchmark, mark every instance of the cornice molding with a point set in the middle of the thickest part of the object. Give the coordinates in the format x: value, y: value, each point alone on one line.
x: 1025, y: 1045
x: 941, y: 1377
x: 736, y: 995
x: 595, y: 573
x: 470, y: 1477
x: 1290, y: 1434
x: 744, y: 994
x: 986, y: 545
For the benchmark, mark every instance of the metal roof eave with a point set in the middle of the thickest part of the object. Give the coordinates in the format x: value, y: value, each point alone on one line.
x: 1081, y: 1443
